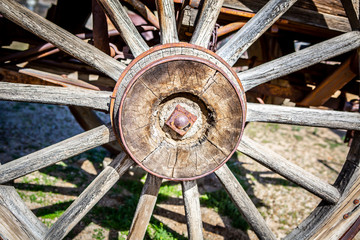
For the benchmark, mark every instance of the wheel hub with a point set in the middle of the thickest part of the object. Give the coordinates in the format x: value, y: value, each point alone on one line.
x: 179, y: 111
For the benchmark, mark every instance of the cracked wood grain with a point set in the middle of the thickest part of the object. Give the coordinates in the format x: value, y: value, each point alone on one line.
x: 145, y: 207
x: 244, y: 203
x: 303, y: 116
x: 99, y: 100
x: 205, y: 26
x: 253, y: 29
x: 56, y: 152
x: 298, y: 60
x: 192, y: 210
x: 289, y: 170
x: 168, y: 28
x: 89, y: 197
x: 119, y: 17
x: 62, y: 39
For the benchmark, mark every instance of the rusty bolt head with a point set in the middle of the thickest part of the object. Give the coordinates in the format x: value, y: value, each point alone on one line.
x: 346, y: 216
x: 181, y: 120
x: 356, y: 201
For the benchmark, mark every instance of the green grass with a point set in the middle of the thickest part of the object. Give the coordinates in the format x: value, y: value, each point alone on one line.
x: 98, y: 234
x: 298, y: 137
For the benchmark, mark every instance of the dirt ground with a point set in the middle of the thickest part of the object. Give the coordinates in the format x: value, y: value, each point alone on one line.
x: 25, y: 128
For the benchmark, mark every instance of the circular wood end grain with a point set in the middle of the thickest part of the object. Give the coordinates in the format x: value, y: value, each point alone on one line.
x: 181, y: 117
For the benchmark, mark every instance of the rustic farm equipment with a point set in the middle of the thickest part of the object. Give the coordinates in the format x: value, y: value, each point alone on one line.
x: 178, y: 109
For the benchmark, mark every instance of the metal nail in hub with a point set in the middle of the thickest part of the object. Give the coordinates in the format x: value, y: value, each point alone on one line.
x: 181, y: 120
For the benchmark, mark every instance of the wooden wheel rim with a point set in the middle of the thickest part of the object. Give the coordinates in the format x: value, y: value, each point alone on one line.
x: 168, y: 59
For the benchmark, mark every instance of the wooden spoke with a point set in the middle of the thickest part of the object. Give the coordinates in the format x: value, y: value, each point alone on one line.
x: 89, y: 197
x: 352, y: 11
x: 288, y: 170
x: 55, y: 95
x: 299, y: 60
x: 192, y: 209
x: 253, y: 29
x: 167, y: 21
x: 119, y: 17
x: 56, y: 152
x: 64, y: 40
x: 208, y: 16
x: 16, y: 219
x: 56, y: 79
x: 244, y: 203
x: 145, y: 207
x: 303, y: 116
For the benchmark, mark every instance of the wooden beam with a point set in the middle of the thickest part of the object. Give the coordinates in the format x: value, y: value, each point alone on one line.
x: 145, y: 207
x: 352, y: 11
x: 119, y: 17
x: 64, y: 40
x: 244, y: 203
x: 89, y: 197
x: 16, y: 220
x: 192, y: 210
x: 302, y: 116
x: 288, y: 170
x: 204, y: 27
x: 298, y: 60
x: 99, y: 100
x: 253, y: 29
x: 168, y: 29
x: 56, y: 152
x: 330, y: 85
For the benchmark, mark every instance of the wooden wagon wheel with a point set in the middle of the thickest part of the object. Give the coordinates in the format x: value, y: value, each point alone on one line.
x: 179, y: 110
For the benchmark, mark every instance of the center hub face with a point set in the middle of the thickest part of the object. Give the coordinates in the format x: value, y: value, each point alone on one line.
x: 180, y: 116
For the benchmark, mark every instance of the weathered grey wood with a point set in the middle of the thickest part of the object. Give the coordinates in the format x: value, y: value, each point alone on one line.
x: 56, y: 152
x: 99, y: 100
x: 299, y: 60
x: 310, y: 15
x: 327, y: 221
x: 253, y: 29
x: 208, y: 16
x: 288, y: 170
x: 125, y: 26
x: 57, y: 79
x: 192, y: 210
x: 303, y: 116
x: 168, y: 29
x: 145, y: 207
x: 17, y: 222
x: 244, y: 203
x: 352, y: 11
x: 88, y: 119
x: 89, y: 197
x: 64, y: 40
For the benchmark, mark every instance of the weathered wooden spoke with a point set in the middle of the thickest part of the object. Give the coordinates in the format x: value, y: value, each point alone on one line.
x: 287, y: 169
x: 253, y: 29
x: 299, y: 60
x: 303, y: 116
x: 89, y: 197
x: 98, y: 100
x: 64, y: 40
x: 125, y: 26
x: 192, y: 209
x: 244, y: 203
x: 145, y: 207
x: 208, y: 16
x: 167, y: 21
x: 55, y: 153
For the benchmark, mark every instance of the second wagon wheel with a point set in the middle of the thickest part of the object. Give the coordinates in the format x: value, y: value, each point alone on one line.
x: 178, y: 110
